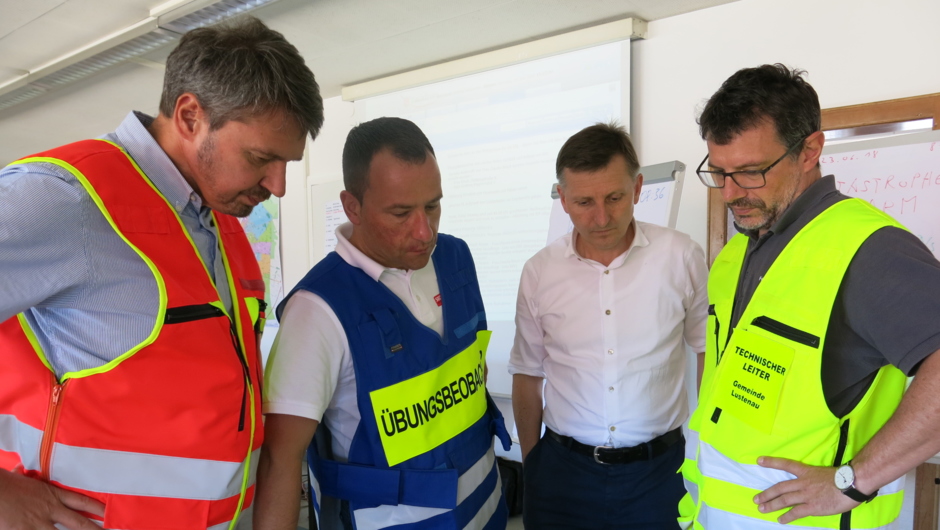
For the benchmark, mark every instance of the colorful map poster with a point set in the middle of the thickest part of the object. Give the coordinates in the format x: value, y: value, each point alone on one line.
x: 262, y: 227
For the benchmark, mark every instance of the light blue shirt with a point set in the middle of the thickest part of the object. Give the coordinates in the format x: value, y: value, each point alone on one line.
x: 87, y: 295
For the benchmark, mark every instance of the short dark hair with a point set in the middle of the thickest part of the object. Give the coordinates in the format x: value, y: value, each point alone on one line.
x: 402, y: 137
x: 593, y: 147
x: 768, y: 92
x: 241, y: 69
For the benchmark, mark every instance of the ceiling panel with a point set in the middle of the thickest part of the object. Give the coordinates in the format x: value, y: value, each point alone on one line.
x: 349, y: 41
x: 71, y: 25
x: 18, y: 14
x: 343, y: 41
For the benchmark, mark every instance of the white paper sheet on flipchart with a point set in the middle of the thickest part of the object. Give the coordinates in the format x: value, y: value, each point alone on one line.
x: 333, y: 216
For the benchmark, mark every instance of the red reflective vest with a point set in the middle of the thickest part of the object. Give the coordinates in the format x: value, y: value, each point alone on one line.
x: 167, y: 434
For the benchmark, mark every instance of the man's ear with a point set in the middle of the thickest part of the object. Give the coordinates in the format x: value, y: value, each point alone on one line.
x: 637, y: 188
x: 189, y: 118
x: 812, y: 150
x: 351, y: 206
x: 561, y: 195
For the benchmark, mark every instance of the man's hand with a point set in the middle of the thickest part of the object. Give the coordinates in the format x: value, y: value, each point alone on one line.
x: 27, y: 503
x: 813, y: 492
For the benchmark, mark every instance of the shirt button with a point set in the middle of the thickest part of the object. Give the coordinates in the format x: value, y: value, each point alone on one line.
x: 611, y: 389
x: 607, y: 312
x: 610, y: 352
x: 607, y: 272
x: 612, y: 428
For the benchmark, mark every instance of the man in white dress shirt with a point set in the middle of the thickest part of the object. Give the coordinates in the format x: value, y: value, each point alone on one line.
x: 602, y: 322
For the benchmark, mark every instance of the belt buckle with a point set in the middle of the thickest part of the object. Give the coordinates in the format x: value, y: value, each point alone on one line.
x: 596, y: 456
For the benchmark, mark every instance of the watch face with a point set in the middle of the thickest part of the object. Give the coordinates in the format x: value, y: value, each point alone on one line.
x: 845, y: 477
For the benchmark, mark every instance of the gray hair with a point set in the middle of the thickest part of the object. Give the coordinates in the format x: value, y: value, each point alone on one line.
x: 242, y: 69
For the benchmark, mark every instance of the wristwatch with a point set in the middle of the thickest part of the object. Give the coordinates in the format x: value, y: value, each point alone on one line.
x: 845, y: 481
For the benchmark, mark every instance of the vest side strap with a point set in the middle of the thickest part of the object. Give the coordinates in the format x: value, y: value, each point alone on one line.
x: 435, y: 488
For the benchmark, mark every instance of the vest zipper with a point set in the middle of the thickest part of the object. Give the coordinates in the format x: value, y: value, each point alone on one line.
x: 259, y: 329
x: 845, y: 521
x: 718, y: 353
x: 843, y: 442
x: 712, y: 312
x: 245, y: 370
x: 785, y: 331
x: 48, y: 433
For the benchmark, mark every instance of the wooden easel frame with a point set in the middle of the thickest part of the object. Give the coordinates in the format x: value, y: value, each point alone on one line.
x: 927, y: 484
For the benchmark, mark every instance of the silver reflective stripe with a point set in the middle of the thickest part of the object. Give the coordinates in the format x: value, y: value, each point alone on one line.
x: 691, y: 442
x: 715, y: 465
x: 225, y: 525
x: 220, y: 526
x: 487, y: 510
x: 314, y: 483
x: 473, y: 477
x: 712, y: 463
x: 385, y: 516
x: 715, y: 519
x: 142, y: 474
x: 22, y: 439
x: 892, y: 487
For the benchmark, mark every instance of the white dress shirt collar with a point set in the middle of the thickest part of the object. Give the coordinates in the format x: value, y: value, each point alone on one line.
x: 417, y: 289
x: 354, y: 256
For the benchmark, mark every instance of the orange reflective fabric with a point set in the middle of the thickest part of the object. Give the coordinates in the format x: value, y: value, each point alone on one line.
x: 25, y: 383
x: 180, y: 396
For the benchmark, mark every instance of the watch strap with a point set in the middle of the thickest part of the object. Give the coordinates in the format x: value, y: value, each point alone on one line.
x: 858, y: 496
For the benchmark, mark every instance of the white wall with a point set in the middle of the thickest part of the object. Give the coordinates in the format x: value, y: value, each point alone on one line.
x: 855, y: 51
x: 323, y: 162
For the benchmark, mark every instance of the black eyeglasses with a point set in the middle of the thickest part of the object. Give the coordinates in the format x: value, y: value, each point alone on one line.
x: 747, y: 179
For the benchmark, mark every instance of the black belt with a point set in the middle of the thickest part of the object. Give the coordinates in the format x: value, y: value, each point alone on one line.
x: 620, y: 455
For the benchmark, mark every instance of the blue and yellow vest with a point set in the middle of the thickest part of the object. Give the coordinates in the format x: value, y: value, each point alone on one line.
x: 762, y: 391
x: 422, y: 456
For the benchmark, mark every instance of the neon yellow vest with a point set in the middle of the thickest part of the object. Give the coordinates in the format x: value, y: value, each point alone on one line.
x: 761, y: 388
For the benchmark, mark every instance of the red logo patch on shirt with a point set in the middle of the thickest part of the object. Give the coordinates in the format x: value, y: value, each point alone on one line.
x: 437, y: 298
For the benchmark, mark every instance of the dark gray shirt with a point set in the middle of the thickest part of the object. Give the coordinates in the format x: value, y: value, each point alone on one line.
x: 887, y: 309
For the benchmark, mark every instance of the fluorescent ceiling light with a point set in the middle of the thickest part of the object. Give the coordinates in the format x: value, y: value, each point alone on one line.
x: 147, y: 35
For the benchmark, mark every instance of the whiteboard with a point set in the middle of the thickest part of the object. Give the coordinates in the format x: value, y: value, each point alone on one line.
x: 658, y: 204
x: 900, y: 175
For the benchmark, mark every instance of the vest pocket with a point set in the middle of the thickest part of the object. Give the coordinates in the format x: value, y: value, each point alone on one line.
x: 788, y: 332
x: 189, y: 313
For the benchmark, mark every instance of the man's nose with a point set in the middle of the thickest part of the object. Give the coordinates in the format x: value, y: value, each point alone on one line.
x: 601, y: 216
x: 421, y: 229
x: 275, y: 178
x: 731, y: 191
